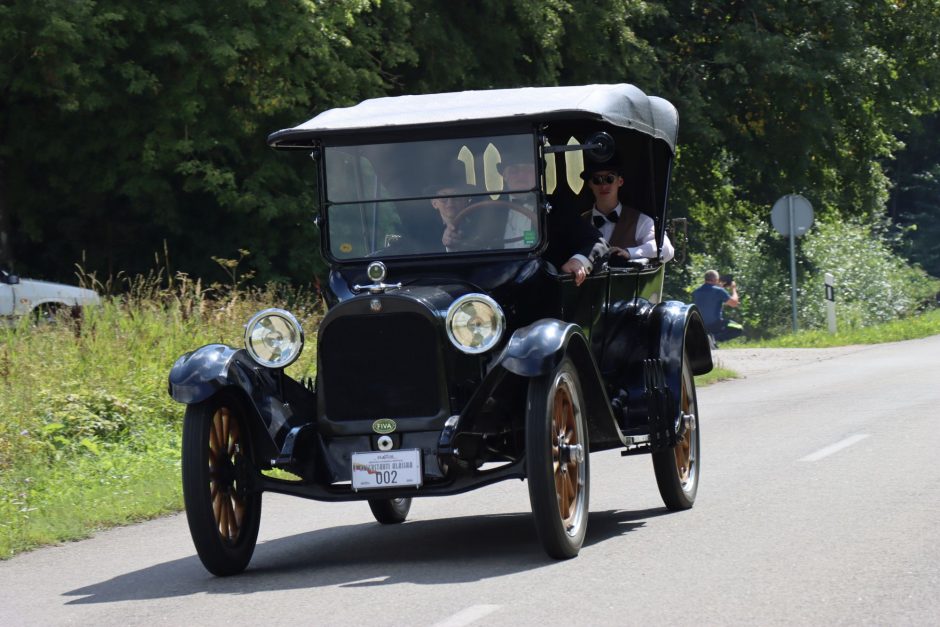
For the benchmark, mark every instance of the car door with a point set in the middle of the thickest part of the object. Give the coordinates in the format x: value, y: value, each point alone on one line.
x: 6, y: 299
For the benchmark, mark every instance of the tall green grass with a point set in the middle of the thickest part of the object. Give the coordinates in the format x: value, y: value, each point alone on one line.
x: 89, y: 436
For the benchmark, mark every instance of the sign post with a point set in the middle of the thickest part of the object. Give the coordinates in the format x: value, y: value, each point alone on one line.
x: 792, y: 215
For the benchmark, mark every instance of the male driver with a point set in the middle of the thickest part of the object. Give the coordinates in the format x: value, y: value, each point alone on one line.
x: 710, y: 298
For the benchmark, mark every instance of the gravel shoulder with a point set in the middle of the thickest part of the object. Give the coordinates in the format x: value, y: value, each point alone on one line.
x: 752, y: 362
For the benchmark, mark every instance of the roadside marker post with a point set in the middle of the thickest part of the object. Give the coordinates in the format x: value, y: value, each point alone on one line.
x: 830, y: 302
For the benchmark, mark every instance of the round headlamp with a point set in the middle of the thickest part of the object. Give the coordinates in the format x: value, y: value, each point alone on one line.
x: 273, y: 338
x: 475, y: 323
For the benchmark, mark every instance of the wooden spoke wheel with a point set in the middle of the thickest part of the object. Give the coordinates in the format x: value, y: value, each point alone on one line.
x: 677, y: 467
x: 222, y: 511
x: 557, y: 461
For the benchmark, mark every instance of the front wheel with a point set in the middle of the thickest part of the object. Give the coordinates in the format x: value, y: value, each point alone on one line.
x: 390, y: 511
x: 222, y: 511
x: 677, y: 467
x: 557, y: 460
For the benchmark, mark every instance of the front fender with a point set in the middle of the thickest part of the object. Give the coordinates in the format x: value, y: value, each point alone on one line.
x: 279, y: 402
x: 538, y: 348
x: 201, y: 373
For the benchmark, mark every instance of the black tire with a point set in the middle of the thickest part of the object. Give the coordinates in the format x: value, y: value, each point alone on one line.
x: 46, y: 313
x: 223, y: 514
x: 557, y: 465
x: 390, y: 511
x: 677, y: 468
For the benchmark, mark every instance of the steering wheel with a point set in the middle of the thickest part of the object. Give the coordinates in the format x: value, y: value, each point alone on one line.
x: 488, y: 204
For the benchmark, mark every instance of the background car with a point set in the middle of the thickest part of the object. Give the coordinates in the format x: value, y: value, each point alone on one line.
x: 24, y: 296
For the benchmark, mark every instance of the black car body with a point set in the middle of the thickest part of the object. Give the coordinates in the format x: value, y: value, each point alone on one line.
x: 441, y: 370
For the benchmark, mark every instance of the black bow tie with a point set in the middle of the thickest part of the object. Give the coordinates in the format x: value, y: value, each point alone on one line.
x: 613, y: 216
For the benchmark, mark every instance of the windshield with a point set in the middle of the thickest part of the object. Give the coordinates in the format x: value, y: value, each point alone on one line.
x: 432, y: 197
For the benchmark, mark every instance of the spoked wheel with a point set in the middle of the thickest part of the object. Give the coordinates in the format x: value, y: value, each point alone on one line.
x: 677, y: 468
x: 557, y: 460
x: 223, y: 513
x: 390, y: 511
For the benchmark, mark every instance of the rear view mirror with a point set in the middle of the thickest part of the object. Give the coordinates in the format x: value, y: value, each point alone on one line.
x: 599, y: 147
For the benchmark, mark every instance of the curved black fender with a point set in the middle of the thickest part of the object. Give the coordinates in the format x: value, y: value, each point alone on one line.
x: 199, y: 374
x: 680, y: 331
x: 537, y: 349
x: 276, y: 398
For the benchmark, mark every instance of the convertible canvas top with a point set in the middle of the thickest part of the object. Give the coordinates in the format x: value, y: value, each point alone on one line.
x: 622, y: 105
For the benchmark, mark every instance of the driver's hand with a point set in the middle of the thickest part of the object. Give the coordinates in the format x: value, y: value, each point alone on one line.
x: 575, y: 267
x: 451, y: 236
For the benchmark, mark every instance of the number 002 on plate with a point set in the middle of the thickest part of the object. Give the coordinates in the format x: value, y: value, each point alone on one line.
x: 386, y: 469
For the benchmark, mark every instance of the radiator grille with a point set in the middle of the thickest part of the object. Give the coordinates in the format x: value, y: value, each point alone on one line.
x: 382, y: 365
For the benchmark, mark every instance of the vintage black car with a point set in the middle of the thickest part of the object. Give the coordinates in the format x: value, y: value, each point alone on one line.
x: 442, y: 369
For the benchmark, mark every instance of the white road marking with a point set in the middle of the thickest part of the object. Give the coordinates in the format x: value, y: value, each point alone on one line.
x: 365, y: 582
x: 834, y: 448
x: 467, y: 616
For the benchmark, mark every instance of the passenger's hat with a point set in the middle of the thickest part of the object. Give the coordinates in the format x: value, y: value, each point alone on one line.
x: 592, y: 167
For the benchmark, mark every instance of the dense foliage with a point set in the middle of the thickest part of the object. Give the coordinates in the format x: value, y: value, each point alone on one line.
x: 130, y: 128
x: 872, y: 284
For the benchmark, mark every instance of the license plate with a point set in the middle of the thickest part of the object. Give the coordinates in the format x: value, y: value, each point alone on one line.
x: 386, y: 469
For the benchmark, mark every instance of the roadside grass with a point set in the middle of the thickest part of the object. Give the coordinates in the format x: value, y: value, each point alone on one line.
x: 922, y: 325
x: 717, y: 374
x: 914, y: 327
x: 89, y: 437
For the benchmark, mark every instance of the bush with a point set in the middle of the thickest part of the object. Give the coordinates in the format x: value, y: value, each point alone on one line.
x: 873, y: 285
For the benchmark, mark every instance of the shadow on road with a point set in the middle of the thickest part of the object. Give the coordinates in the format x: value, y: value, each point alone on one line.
x: 428, y: 552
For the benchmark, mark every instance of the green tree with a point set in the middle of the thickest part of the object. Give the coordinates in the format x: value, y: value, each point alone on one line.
x: 915, y: 199
x: 779, y: 97
x: 131, y: 123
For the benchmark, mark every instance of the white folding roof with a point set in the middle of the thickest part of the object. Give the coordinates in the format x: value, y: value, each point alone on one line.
x: 622, y: 105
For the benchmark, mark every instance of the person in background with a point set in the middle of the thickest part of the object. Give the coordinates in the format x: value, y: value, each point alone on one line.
x: 631, y: 233
x: 710, y: 298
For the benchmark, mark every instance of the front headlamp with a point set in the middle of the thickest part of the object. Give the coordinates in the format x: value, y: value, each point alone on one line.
x: 273, y: 338
x: 475, y: 323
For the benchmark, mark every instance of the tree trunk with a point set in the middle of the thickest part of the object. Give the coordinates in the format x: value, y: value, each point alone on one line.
x: 6, y: 246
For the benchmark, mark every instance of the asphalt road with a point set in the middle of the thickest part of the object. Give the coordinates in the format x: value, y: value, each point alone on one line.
x: 817, y: 506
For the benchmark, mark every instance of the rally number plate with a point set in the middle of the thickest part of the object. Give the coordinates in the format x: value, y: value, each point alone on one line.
x: 386, y: 469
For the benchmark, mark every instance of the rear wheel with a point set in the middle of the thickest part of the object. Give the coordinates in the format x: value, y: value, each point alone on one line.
x: 223, y: 513
x: 557, y: 460
x: 390, y: 511
x: 677, y: 467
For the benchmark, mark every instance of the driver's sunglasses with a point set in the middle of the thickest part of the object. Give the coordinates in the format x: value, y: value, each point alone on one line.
x: 606, y: 179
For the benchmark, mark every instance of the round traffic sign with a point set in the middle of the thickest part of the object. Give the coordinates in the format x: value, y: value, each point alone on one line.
x: 802, y: 215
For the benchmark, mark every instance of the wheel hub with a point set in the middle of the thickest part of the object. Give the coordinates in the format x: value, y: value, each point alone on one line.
x: 570, y: 454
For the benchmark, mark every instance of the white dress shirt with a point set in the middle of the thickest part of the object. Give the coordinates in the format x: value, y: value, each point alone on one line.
x: 645, y: 233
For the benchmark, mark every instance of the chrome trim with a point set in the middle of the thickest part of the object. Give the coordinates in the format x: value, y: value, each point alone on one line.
x: 376, y: 271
